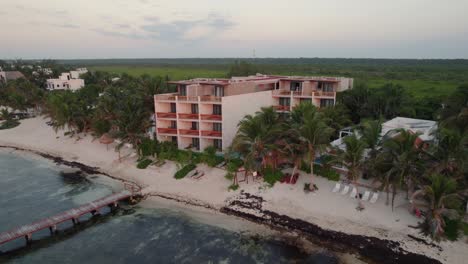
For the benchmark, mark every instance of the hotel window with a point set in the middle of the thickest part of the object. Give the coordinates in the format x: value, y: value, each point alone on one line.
x: 174, y: 140
x: 183, y: 90
x: 296, y: 86
x: 173, y: 124
x: 218, y: 144
x: 328, y: 87
x: 285, y: 101
x: 194, y: 109
x: 217, y: 110
x: 173, y: 108
x: 194, y: 126
x: 327, y: 102
x: 217, y: 127
x: 219, y: 91
x: 196, y: 143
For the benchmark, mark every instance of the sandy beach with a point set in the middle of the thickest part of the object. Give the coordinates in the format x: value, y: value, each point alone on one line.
x: 324, y: 208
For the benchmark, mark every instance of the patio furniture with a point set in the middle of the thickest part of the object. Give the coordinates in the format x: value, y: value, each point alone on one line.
x: 337, y: 187
x: 374, y: 198
x: 366, y: 196
x: 345, y: 190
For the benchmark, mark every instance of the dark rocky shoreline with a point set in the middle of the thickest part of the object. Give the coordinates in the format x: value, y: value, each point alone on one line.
x: 373, y: 249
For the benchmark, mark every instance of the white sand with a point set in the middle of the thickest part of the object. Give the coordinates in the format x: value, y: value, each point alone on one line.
x: 324, y: 208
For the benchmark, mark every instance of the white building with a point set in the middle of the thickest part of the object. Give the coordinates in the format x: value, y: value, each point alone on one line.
x: 66, y: 81
x: 76, y: 73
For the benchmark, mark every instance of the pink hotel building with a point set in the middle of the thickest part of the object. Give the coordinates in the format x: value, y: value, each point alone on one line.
x: 206, y: 112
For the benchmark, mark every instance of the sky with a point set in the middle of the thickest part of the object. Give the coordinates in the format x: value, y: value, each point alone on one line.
x: 65, y: 29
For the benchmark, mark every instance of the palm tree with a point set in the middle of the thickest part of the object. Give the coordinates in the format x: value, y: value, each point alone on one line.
x: 440, y: 193
x: 256, y: 137
x: 402, y: 153
x: 353, y: 156
x: 312, y: 130
x: 450, y: 152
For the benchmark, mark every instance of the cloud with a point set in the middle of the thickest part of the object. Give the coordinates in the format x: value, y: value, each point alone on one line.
x: 131, y: 35
x: 122, y: 25
x: 41, y: 11
x: 186, y: 29
x: 67, y: 25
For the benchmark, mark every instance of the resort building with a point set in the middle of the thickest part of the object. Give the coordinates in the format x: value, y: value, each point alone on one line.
x: 205, y: 112
x: 66, y: 81
x: 6, y: 76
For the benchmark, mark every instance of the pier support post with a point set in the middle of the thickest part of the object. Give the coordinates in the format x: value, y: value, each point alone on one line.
x: 53, y: 230
x: 75, y: 221
x: 28, y: 238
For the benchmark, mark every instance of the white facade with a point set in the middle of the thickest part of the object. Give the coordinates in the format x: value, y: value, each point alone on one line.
x: 66, y: 81
x: 76, y: 73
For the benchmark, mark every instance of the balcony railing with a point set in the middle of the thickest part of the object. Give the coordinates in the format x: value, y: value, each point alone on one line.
x: 211, y: 117
x: 166, y: 115
x: 287, y: 93
x: 171, y: 131
x: 282, y: 107
x: 281, y: 93
x: 188, y: 132
x: 191, y: 99
x: 189, y: 116
x: 165, y: 97
x: 324, y: 94
x: 208, y: 133
x: 210, y: 98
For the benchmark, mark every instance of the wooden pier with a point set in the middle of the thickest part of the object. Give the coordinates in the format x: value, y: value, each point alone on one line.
x: 74, y: 214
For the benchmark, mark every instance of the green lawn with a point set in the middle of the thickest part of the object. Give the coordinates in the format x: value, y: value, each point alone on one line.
x: 417, y: 87
x: 174, y: 73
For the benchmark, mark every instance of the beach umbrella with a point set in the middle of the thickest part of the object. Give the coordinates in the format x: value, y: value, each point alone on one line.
x: 106, y: 139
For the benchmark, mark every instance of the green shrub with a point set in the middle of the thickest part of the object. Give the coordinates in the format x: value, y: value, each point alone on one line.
x: 331, y: 175
x: 271, y: 176
x: 184, y: 171
x: 234, y: 164
x: 101, y: 126
x: 9, y: 124
x: 147, y: 147
x: 210, y: 158
x: 451, y: 229
x: 465, y: 228
x: 229, y: 176
x: 233, y: 187
x: 143, y: 164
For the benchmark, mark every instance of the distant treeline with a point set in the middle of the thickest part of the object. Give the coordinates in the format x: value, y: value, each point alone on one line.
x: 282, y: 61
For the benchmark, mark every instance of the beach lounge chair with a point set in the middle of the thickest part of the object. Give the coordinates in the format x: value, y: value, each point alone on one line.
x: 374, y: 198
x: 199, y: 175
x: 366, y: 196
x: 337, y: 188
x: 192, y: 173
x: 345, y: 190
x: 353, y: 193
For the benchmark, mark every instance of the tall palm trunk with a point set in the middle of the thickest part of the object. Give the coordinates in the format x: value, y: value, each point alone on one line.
x: 312, y: 159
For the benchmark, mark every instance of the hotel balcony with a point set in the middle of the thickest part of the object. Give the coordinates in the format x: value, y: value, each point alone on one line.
x: 165, y: 97
x: 188, y: 132
x: 288, y: 93
x: 174, y: 97
x: 211, y: 117
x: 167, y: 131
x: 189, y: 116
x: 210, y: 133
x: 281, y: 108
x: 325, y: 94
x: 166, y: 115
